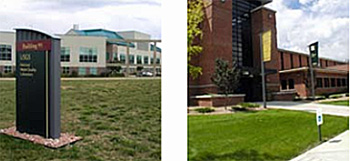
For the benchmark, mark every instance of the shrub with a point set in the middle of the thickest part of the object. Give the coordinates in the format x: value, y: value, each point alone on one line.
x: 204, y: 110
x: 249, y: 105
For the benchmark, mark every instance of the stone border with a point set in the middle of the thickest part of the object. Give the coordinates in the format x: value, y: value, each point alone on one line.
x: 64, y: 140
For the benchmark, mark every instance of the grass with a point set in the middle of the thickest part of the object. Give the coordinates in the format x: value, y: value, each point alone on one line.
x: 118, y: 120
x: 263, y: 135
x: 340, y: 103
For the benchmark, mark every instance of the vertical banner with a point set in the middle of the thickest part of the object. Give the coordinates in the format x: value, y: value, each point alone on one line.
x: 266, y: 45
x: 313, y: 48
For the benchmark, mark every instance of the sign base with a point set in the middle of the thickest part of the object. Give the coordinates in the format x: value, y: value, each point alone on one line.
x: 62, y: 141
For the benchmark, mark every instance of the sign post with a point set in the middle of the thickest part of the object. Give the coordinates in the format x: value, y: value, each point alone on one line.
x: 319, y: 121
x: 313, y: 61
x: 265, y: 54
x: 37, y: 83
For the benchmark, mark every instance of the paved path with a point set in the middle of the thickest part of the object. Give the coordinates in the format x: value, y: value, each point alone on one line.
x: 94, y: 78
x: 310, y: 107
x: 336, y: 149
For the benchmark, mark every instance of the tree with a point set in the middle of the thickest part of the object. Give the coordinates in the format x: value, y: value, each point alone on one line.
x: 195, y: 16
x: 226, y: 78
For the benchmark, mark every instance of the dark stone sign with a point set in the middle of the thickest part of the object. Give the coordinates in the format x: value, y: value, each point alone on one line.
x: 37, y: 83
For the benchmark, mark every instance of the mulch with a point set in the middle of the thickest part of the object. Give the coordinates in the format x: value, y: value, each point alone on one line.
x: 64, y: 140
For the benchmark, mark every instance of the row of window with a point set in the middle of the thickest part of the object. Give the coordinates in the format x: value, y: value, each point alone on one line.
x: 93, y: 71
x: 7, y: 69
x: 5, y: 52
x: 287, y: 84
x: 138, y: 59
x: 331, y: 82
x: 300, y: 60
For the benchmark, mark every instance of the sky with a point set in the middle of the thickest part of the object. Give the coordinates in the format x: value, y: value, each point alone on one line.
x: 58, y: 16
x: 301, y: 22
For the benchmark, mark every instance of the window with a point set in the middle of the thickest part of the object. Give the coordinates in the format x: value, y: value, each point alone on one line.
x: 158, y: 61
x: 151, y: 60
x: 326, y: 63
x: 122, y: 58
x: 291, y: 83
x: 8, y: 69
x: 319, y: 83
x: 333, y: 82
x: 300, y: 64
x: 131, y: 59
x: 115, y: 56
x: 145, y: 60
x: 343, y: 82
x: 88, y: 55
x: 284, y: 84
x: 139, y: 59
x: 82, y: 71
x: 326, y: 82
x: 339, y: 82
x: 65, y: 70
x: 65, y: 54
x: 107, y: 56
x: 308, y: 61
x: 93, y: 71
x: 5, y: 52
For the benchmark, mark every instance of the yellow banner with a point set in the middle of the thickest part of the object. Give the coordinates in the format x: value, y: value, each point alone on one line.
x: 266, y: 45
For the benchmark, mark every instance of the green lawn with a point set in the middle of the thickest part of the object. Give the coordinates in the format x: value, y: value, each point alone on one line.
x: 341, y: 103
x: 118, y: 120
x: 264, y: 135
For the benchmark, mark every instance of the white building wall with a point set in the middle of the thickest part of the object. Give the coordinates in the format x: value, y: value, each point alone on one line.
x: 75, y: 42
x: 9, y: 38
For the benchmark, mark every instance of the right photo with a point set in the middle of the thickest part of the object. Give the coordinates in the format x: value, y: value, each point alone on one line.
x: 268, y: 80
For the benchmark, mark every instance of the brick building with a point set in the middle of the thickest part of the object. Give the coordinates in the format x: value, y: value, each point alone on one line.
x: 231, y: 31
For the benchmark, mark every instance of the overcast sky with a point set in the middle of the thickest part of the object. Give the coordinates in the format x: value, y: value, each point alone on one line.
x: 301, y: 22
x: 58, y: 16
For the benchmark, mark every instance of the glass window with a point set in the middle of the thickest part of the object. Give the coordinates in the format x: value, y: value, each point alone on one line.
x: 151, y: 60
x: 115, y: 56
x: 158, y: 61
x: 82, y: 71
x: 107, y: 56
x: 139, y: 59
x: 145, y: 60
x: 319, y: 83
x: 93, y: 71
x: 8, y: 69
x: 65, y: 54
x: 283, y: 84
x: 343, y: 82
x: 88, y: 54
x: 5, y: 52
x: 291, y: 83
x: 131, y: 59
x: 65, y: 70
x: 333, y: 82
x: 122, y: 58
x: 338, y: 82
x: 326, y: 82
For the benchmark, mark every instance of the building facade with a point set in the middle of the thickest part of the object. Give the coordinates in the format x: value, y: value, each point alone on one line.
x: 93, y: 52
x: 231, y: 31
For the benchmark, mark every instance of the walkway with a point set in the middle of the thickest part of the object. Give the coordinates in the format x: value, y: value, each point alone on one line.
x: 336, y: 149
x: 310, y: 107
x: 93, y: 78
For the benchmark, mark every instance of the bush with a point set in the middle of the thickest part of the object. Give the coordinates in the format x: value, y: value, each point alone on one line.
x: 204, y: 110
x: 249, y: 105
x: 116, y: 75
x: 74, y: 74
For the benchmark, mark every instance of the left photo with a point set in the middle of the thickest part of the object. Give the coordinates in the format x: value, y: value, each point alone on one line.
x: 80, y: 80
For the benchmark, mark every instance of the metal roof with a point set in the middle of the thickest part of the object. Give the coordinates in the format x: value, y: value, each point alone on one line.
x: 37, y: 30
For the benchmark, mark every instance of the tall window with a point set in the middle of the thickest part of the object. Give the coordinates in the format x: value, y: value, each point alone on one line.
x: 122, y: 58
x: 158, y: 61
x: 343, y: 82
x: 131, y: 59
x: 88, y: 55
x: 338, y: 82
x: 326, y: 63
x: 139, y: 59
x: 326, y: 82
x: 291, y: 83
x: 8, y: 69
x: 291, y: 61
x: 82, y: 71
x: 319, y: 83
x: 93, y: 71
x: 151, y: 60
x: 300, y: 62
x: 333, y: 82
x: 282, y: 61
x: 145, y: 60
x: 5, y: 52
x: 65, y: 54
x: 284, y: 84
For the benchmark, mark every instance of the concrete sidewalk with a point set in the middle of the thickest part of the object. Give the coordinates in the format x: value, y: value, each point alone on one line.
x: 336, y: 149
x: 309, y: 107
x: 93, y: 78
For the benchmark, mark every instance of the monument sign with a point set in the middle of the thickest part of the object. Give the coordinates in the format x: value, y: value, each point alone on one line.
x: 37, y: 83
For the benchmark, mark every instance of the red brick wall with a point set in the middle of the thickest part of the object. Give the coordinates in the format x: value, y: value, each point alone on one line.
x: 299, y: 82
x: 264, y: 20
x: 216, y: 42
